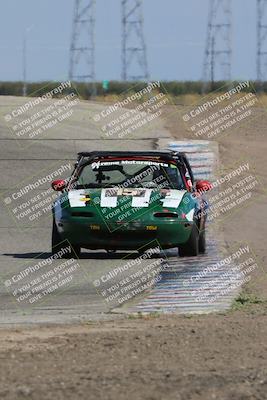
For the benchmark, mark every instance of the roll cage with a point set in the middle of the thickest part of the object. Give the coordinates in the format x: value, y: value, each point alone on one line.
x: 178, y: 158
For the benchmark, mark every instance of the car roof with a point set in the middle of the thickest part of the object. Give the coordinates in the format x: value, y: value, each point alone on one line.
x: 164, y: 154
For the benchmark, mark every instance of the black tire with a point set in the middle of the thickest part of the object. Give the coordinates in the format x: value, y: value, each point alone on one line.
x: 76, y: 251
x: 56, y: 239
x: 58, y: 244
x: 141, y: 251
x: 191, y: 247
x: 202, y: 241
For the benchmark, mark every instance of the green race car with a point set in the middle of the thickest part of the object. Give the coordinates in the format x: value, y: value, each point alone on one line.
x: 118, y: 200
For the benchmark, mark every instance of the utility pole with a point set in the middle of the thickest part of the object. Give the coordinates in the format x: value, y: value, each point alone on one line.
x: 82, y: 47
x: 218, y: 50
x: 24, y: 56
x: 134, y: 55
x: 212, y: 63
x: 261, y: 41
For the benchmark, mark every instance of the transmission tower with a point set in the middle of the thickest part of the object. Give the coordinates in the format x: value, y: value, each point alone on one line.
x: 24, y: 87
x: 82, y: 48
x: 134, y: 58
x: 218, y: 51
x: 262, y: 40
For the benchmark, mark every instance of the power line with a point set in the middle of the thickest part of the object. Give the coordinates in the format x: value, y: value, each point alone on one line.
x: 261, y: 40
x: 82, y: 48
x: 24, y: 52
x: 134, y: 55
x: 218, y: 50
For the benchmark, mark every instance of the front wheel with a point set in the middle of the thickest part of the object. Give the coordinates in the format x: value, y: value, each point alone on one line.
x: 59, y: 245
x: 191, y: 247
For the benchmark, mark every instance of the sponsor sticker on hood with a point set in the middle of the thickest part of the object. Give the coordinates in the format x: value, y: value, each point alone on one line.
x: 78, y: 198
x: 140, y: 196
x: 173, y: 198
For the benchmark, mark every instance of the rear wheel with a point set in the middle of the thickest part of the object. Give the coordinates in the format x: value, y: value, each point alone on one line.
x: 191, y: 247
x: 202, y: 241
x: 58, y: 245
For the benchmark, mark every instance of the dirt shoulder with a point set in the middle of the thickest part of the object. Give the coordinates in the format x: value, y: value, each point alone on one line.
x: 201, y: 357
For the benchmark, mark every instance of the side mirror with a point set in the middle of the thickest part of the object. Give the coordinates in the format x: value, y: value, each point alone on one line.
x: 58, y: 185
x: 203, y: 186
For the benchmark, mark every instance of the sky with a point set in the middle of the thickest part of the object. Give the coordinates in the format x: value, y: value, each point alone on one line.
x: 174, y: 30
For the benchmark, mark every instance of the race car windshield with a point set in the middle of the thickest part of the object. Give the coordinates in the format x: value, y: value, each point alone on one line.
x: 130, y: 174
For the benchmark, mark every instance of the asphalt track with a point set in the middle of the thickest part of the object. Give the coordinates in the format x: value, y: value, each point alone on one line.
x: 24, y: 244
